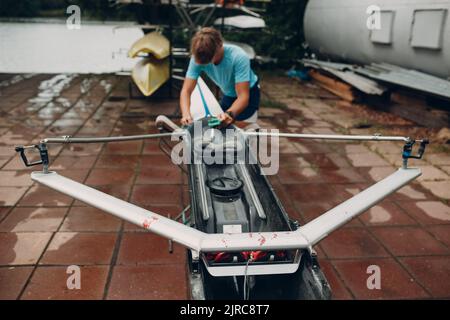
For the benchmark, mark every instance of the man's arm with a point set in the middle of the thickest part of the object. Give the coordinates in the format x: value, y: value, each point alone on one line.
x: 185, y: 100
x: 239, y: 105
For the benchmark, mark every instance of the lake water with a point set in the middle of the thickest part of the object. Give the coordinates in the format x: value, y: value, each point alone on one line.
x: 53, y: 48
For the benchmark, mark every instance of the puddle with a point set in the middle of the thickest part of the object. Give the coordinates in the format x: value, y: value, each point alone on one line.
x: 49, y: 90
x: 58, y: 242
x: 16, y: 79
x: 379, y: 215
x: 435, y: 210
x: 106, y: 85
x: 411, y: 193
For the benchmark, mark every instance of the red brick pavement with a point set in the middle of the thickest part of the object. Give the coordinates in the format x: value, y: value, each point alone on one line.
x: 42, y: 232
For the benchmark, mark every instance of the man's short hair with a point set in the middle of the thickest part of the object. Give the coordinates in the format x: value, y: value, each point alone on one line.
x: 205, y: 44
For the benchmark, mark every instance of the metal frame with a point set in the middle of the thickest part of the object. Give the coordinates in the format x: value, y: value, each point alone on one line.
x: 305, y: 237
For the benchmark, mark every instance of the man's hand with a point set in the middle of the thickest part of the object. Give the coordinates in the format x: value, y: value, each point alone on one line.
x: 225, y: 119
x: 186, y: 119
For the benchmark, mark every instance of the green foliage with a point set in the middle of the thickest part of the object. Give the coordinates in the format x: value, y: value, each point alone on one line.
x: 22, y: 8
x: 283, y: 37
x: 94, y: 9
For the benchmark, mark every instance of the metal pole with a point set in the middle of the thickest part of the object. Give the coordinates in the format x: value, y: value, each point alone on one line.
x: 68, y: 139
x: 170, y: 47
x: 329, y: 136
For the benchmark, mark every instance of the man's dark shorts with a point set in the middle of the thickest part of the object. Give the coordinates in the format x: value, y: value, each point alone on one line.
x: 253, y: 104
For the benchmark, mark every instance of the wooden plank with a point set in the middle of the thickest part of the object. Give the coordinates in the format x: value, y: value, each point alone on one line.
x: 402, y: 97
x: 339, y: 88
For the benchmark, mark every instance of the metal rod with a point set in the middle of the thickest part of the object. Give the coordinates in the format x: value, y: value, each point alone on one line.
x: 69, y: 139
x: 329, y: 136
x: 201, y: 185
x: 253, y: 194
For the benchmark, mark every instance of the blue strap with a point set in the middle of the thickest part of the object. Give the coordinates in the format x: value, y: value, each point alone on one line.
x: 205, y: 106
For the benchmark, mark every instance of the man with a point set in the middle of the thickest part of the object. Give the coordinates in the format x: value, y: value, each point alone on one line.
x: 229, y: 67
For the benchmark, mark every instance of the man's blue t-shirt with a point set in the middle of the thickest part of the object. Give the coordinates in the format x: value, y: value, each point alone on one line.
x: 234, y: 68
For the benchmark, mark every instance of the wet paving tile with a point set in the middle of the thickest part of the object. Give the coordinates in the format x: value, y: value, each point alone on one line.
x: 4, y: 160
x: 432, y: 272
x: 96, y: 129
x: 79, y: 248
x: 78, y: 175
x: 10, y: 138
x: 331, y: 160
x: 126, y: 148
x: 409, y: 241
x: 4, y: 211
x: 309, y: 211
x: 352, y: 243
x: 139, y: 248
x: 427, y: 212
x: 314, y: 177
x: 386, y: 213
x: 7, y: 150
x: 150, y: 148
x: 431, y: 173
x: 10, y: 195
x: 106, y: 176
x: 368, y: 159
x: 438, y: 158
x: 57, y: 131
x: 12, y: 280
x: 376, y: 174
x: 50, y: 283
x: 311, y: 192
x: 82, y: 149
x: 72, y: 162
x: 155, y: 160
x: 42, y: 196
x: 442, y: 233
x: 344, y: 175
x: 338, y: 289
x: 148, y: 283
x: 440, y: 189
x: 33, y: 220
x: 156, y: 194
x: 88, y: 219
x: 22, y: 248
x: 117, y: 161
x: 16, y: 163
x: 292, y: 175
x: 15, y: 179
x: 395, y: 282
x: 161, y: 175
x: 412, y: 192
x: 356, y: 148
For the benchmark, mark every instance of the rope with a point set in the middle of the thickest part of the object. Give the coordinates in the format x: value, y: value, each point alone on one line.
x: 246, y: 287
x: 205, y: 106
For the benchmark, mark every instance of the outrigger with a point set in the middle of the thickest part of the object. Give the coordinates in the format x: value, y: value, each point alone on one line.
x: 240, y: 241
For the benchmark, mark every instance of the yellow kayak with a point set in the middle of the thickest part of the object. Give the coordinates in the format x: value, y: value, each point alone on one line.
x: 153, y: 43
x: 149, y: 74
